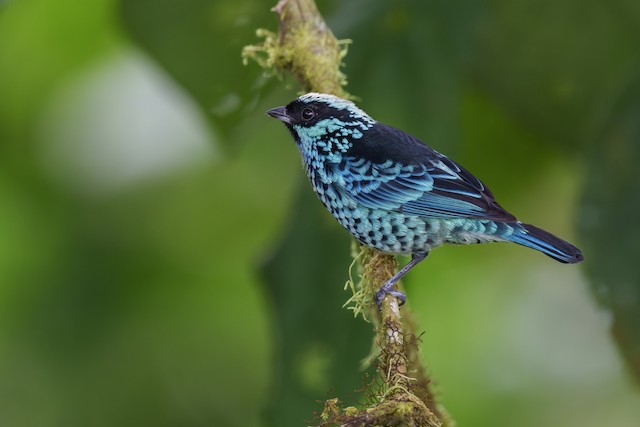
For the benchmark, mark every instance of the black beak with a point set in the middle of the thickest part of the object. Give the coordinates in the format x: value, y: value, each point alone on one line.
x: 280, y: 113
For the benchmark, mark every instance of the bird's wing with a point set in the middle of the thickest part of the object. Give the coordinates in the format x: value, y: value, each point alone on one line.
x: 427, y: 184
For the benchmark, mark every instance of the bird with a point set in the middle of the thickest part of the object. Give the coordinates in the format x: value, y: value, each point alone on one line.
x: 394, y: 193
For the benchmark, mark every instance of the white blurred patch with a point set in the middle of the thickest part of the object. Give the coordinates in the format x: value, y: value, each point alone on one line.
x: 118, y: 124
x: 557, y: 335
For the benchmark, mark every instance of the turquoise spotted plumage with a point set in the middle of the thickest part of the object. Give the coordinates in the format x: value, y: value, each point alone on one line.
x: 394, y: 193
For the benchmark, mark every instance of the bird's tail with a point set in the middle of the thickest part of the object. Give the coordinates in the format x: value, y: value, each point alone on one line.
x: 545, y: 242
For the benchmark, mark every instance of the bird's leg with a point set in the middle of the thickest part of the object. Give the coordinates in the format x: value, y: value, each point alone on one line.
x: 388, y: 287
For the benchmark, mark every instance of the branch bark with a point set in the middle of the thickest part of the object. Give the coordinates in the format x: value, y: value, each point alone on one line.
x: 306, y: 48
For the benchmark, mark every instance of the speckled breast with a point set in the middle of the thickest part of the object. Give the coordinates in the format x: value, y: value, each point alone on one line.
x: 386, y: 231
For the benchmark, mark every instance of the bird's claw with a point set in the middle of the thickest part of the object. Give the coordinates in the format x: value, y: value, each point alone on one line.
x: 382, y: 292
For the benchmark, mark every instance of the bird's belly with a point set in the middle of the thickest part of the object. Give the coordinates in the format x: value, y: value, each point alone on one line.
x: 392, y: 232
x: 386, y: 231
x: 399, y: 233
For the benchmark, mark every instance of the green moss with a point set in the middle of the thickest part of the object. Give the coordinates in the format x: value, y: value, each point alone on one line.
x: 265, y: 54
x: 309, y: 52
x: 362, y: 296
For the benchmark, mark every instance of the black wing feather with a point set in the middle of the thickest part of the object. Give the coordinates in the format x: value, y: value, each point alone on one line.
x: 427, y: 183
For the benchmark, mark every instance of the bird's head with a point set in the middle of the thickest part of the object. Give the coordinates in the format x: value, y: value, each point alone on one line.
x: 326, y: 122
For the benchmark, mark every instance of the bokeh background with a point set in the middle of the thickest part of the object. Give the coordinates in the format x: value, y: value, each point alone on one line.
x: 163, y: 261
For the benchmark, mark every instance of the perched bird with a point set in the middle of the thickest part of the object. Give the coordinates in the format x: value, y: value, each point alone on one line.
x: 394, y: 193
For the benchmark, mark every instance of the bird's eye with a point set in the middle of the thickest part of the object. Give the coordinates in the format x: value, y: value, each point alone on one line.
x: 308, y: 114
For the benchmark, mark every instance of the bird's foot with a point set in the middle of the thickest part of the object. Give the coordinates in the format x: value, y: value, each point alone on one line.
x: 384, y: 291
x: 389, y: 289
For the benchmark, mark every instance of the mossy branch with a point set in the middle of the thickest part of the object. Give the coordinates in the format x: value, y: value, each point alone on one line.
x: 306, y: 48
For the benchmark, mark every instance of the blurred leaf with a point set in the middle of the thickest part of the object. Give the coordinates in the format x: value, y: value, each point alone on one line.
x: 549, y: 63
x: 321, y: 344
x: 407, y: 62
x: 199, y: 43
x: 610, y: 213
x: 507, y: 156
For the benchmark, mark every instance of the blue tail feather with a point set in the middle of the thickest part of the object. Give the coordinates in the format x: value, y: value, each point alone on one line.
x: 545, y: 242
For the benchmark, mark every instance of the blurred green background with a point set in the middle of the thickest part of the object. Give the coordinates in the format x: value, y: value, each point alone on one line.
x: 163, y: 261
